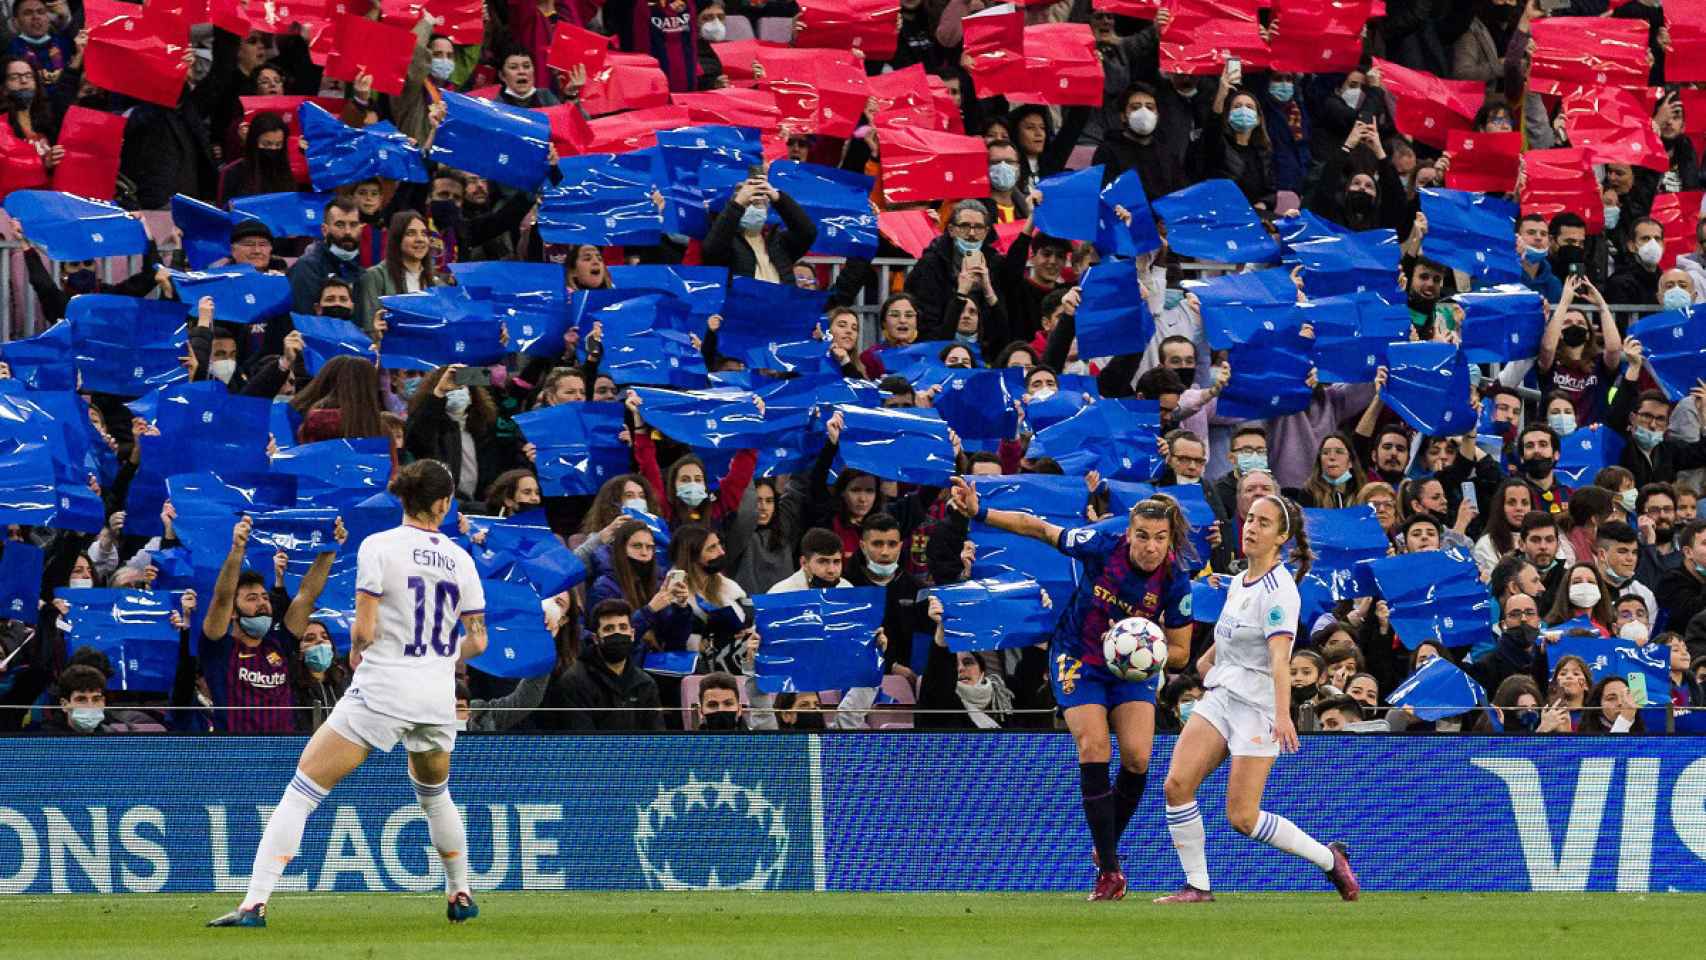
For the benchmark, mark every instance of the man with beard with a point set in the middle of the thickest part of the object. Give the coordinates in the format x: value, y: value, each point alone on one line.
x: 1656, y: 523
x: 335, y: 254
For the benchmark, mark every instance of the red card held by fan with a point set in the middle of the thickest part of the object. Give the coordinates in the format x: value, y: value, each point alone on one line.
x: 572, y: 46
x: 636, y: 130
x: 1686, y: 60
x: 142, y: 57
x: 995, y: 50
x: 1317, y: 36
x: 92, y: 140
x: 629, y: 81
x: 381, y: 50
x: 732, y: 106
x: 929, y: 165
x: 1561, y: 180
x: 1429, y: 108
x: 1571, y: 53
x: 1202, y: 47
x: 910, y: 230
x: 1062, y: 66
x: 1482, y: 161
x: 20, y: 163
x: 871, y: 27
x: 1615, y: 126
x: 1140, y: 9
x: 570, y: 131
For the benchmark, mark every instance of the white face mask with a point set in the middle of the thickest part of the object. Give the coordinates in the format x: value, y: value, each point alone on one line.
x: 80, y: 583
x: 1634, y: 631
x: 637, y: 503
x: 222, y: 370
x: 1584, y: 595
x: 1650, y: 251
x: 1142, y: 121
x: 1352, y: 98
x: 714, y: 31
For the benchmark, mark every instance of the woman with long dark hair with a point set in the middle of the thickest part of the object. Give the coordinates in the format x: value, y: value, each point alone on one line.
x: 461, y: 427
x: 683, y: 490
x: 660, y: 602
x: 265, y: 167
x: 341, y: 402
x: 1511, y: 503
x: 1240, y: 151
x: 1336, y: 477
x: 31, y: 111
x: 407, y: 267
x: 725, y: 639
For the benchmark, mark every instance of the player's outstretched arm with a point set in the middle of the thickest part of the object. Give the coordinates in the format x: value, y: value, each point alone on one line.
x: 473, y: 636
x: 217, y: 620
x: 965, y: 500
x: 313, y: 582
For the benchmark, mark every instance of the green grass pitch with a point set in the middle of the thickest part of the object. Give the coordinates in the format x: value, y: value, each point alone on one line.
x: 972, y: 925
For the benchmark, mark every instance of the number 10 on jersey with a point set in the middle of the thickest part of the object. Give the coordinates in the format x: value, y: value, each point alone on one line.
x: 444, y: 594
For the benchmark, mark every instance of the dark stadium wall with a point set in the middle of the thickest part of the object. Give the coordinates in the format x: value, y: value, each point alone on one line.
x: 854, y: 812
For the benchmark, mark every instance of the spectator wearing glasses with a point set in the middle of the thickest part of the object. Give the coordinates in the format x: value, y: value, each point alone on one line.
x: 963, y: 258
x: 739, y: 239
x: 1643, y: 418
x: 335, y: 254
x: 252, y: 245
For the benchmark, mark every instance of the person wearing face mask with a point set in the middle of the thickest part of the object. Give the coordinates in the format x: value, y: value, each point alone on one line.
x: 1682, y: 592
x: 1357, y: 97
x: 1584, y: 597
x: 317, y: 677
x: 603, y: 690
x: 1567, y: 365
x: 1637, y: 281
x: 1142, y: 144
x: 264, y: 167
x: 719, y: 708
x: 878, y: 563
x: 1516, y: 644
x: 800, y: 712
x: 686, y: 496
x: 1238, y: 149
x: 335, y: 254
x: 442, y: 67
x: 1534, y: 251
x: 739, y: 240
x: 1643, y: 418
x: 459, y: 425
x: 245, y: 652
x: 83, y: 701
x: 1285, y: 117
x: 1006, y: 204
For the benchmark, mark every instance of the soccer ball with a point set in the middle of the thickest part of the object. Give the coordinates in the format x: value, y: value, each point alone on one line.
x: 1135, y: 649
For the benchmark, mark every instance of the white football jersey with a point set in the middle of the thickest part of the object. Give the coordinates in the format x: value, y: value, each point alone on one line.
x: 1253, y: 613
x: 425, y: 584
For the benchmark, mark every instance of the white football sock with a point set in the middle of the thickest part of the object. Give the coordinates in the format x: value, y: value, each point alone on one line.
x: 1280, y: 833
x: 282, y: 837
x: 1184, y: 823
x: 449, y: 837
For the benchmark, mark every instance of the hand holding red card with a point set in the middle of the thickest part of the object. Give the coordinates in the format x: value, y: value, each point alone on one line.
x: 146, y: 57
x: 1482, y: 161
x: 92, y: 140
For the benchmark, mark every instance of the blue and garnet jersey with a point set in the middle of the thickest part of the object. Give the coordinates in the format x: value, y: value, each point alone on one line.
x: 1112, y: 589
x: 257, y: 678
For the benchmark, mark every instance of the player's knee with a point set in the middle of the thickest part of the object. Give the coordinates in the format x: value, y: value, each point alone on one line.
x: 1243, y: 819
x: 1092, y: 749
x: 1177, y: 791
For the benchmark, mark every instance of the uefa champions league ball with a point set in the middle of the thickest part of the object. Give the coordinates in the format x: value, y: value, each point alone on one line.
x: 1135, y: 649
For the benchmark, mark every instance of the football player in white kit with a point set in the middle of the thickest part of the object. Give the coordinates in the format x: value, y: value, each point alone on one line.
x: 1246, y: 709
x: 413, y: 586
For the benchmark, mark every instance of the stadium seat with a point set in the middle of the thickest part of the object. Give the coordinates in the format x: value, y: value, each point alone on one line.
x: 776, y: 29
x: 1081, y: 156
x: 896, y: 715
x: 739, y: 28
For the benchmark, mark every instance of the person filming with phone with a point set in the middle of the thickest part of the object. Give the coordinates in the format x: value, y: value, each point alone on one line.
x: 454, y: 419
x: 740, y: 240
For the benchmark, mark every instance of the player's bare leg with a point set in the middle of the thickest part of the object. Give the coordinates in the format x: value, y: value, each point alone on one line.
x: 1244, y: 811
x: 328, y: 758
x: 430, y: 774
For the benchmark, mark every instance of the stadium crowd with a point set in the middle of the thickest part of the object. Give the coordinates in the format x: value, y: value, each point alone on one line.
x: 1563, y: 505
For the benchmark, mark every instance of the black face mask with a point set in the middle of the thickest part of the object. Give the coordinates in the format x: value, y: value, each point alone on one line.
x: 1304, y: 693
x: 642, y: 569
x: 1524, y: 635
x: 342, y: 313
x: 809, y: 721
x: 713, y: 566
x: 1574, y: 336
x: 1528, y: 720
x: 82, y: 281
x: 615, y: 647
x: 721, y: 720
x: 1359, y: 204
x: 1368, y: 712
x: 1538, y: 467
x: 1663, y: 532
x: 446, y: 214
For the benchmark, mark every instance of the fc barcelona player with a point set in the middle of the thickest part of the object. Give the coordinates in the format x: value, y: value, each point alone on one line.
x: 1135, y: 572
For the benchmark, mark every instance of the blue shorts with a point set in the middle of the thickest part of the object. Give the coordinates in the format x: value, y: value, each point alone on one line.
x: 1077, y: 683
